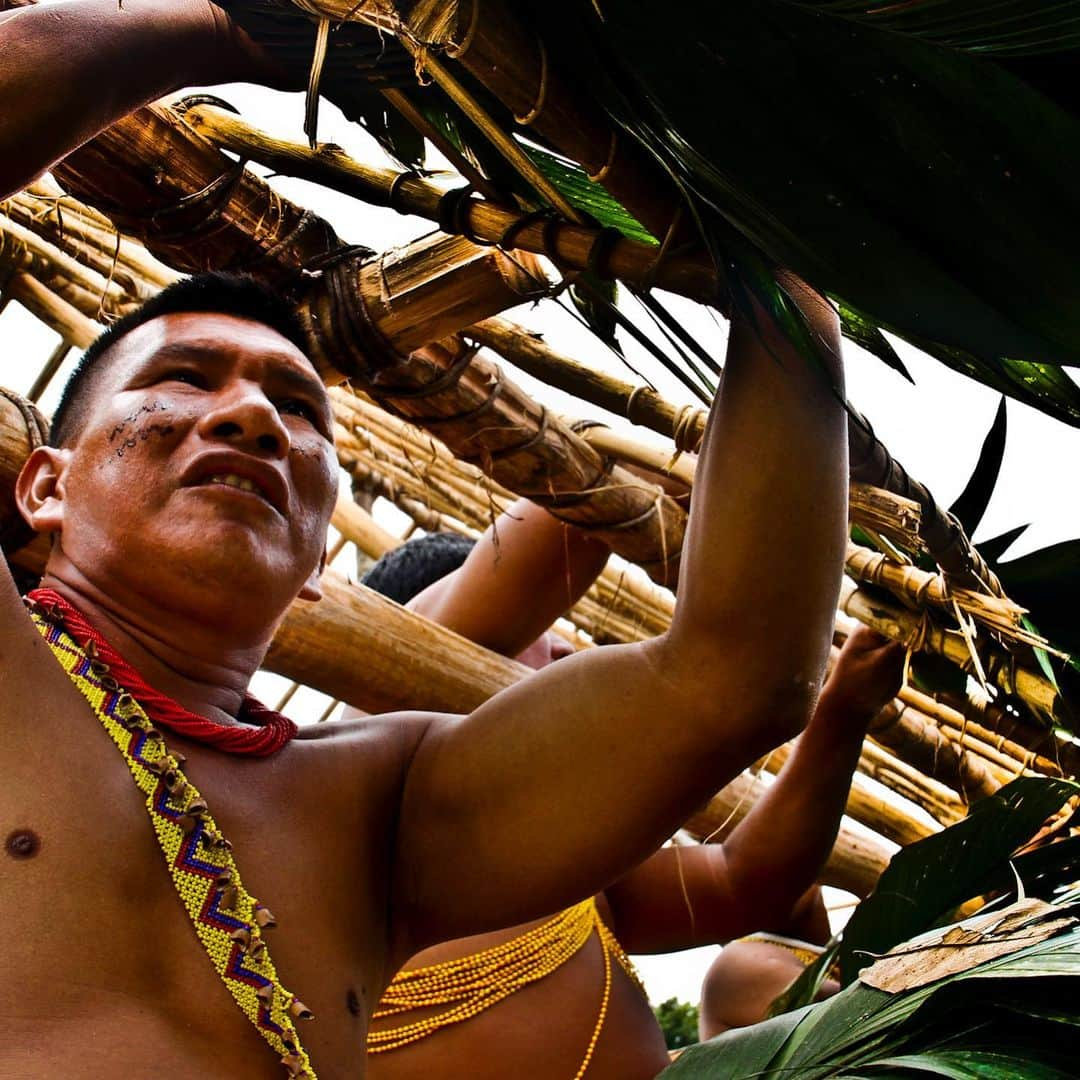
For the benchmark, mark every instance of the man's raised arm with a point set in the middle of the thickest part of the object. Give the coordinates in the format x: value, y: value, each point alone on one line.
x: 71, y: 69
x: 561, y: 783
x: 526, y: 571
x: 683, y: 897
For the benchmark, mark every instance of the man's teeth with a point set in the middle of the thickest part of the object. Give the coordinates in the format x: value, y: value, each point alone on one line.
x: 232, y: 480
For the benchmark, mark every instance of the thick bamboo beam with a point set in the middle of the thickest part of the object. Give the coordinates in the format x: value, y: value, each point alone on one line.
x: 493, y: 43
x: 567, y: 244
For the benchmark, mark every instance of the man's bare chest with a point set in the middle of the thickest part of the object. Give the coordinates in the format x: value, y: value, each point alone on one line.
x: 90, y: 920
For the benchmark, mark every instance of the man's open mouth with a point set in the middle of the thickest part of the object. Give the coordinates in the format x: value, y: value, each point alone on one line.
x: 239, y: 473
x: 234, y: 481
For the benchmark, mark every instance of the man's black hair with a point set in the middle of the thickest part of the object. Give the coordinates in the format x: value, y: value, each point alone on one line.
x: 408, y: 570
x: 226, y: 294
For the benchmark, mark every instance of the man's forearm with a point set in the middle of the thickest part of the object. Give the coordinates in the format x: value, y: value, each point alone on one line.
x: 764, y: 549
x: 526, y: 571
x: 777, y: 852
x: 71, y: 69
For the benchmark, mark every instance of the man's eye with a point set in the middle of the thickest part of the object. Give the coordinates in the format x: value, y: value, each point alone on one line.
x: 186, y: 375
x: 296, y: 407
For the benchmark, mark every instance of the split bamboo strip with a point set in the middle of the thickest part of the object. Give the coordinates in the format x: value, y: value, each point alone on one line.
x: 68, y: 224
x: 936, y: 798
x: 570, y: 246
x: 921, y: 634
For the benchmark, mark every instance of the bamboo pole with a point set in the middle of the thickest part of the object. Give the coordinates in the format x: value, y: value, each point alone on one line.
x: 89, y: 238
x: 84, y: 288
x: 921, y: 634
x: 570, y: 246
x: 1067, y: 756
x: 53, y: 310
x: 496, y: 47
x: 911, y: 737
x: 936, y: 798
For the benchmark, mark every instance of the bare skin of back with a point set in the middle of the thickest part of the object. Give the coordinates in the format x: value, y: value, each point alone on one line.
x: 370, y: 840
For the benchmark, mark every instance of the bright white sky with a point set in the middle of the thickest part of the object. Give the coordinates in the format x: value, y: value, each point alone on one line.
x: 935, y: 428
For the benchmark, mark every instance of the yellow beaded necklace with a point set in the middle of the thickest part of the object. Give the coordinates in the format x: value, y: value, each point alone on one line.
x: 471, y: 984
x: 227, y: 918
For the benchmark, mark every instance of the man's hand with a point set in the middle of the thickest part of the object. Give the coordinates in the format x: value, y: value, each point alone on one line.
x: 867, y: 676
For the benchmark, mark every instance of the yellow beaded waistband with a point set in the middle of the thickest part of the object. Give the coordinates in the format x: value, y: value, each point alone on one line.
x: 228, y: 920
x: 802, y: 950
x: 471, y: 984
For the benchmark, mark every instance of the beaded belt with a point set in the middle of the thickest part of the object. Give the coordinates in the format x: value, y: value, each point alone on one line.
x: 471, y: 984
x: 228, y: 920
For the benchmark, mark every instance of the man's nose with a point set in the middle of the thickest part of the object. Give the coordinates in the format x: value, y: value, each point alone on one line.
x: 243, y: 416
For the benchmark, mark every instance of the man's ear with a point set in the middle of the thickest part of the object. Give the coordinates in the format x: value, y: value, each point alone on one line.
x: 39, y: 491
x: 312, y: 589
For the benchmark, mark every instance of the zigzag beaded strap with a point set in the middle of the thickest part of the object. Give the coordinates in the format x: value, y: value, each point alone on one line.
x: 228, y: 920
x: 471, y: 984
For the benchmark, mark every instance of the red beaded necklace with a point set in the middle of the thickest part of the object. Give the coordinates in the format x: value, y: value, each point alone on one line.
x: 263, y: 732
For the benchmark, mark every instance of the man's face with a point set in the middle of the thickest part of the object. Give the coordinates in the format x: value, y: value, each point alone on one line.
x: 205, y: 460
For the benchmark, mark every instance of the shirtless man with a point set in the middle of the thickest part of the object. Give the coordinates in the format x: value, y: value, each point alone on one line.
x: 520, y: 576
x: 370, y: 840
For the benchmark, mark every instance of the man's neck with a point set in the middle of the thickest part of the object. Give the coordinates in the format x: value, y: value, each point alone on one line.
x: 195, y: 659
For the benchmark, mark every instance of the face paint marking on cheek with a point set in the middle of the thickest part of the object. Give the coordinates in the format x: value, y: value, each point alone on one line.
x: 127, y: 421
x: 142, y: 434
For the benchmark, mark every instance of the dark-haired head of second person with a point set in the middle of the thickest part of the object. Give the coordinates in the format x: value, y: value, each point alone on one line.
x: 191, y: 472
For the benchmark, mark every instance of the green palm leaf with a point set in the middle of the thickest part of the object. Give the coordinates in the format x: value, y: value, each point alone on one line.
x: 1015, y: 27
x: 925, y: 188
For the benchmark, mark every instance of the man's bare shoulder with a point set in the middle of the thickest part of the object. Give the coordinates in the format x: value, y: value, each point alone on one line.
x: 394, y: 734
x: 31, y: 680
